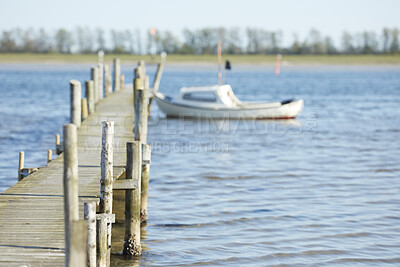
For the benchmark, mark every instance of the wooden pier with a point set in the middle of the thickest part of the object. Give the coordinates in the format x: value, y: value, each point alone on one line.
x: 32, y: 215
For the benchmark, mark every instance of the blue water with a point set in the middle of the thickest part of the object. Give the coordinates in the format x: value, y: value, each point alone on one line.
x: 321, y: 190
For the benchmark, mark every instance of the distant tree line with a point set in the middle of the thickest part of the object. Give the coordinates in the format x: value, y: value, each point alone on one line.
x: 235, y: 40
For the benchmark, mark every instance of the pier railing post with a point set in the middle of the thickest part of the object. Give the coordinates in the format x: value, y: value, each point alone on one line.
x: 156, y: 84
x: 122, y: 81
x: 90, y: 216
x: 143, y: 117
x: 49, y: 155
x: 78, y: 243
x: 107, y: 80
x: 117, y: 73
x: 101, y: 78
x: 76, y: 112
x: 59, y: 147
x: 132, y: 245
x: 95, y: 78
x: 102, y: 241
x: 144, y: 183
x: 84, y: 108
x: 157, y: 79
x: 138, y: 84
x: 106, y: 183
x: 21, y: 165
x: 89, y: 86
x: 71, y: 200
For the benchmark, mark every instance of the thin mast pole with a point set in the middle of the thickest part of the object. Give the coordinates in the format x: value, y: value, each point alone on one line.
x: 219, y: 64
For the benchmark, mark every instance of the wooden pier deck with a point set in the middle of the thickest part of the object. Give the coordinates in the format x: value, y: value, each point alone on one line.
x: 32, y: 211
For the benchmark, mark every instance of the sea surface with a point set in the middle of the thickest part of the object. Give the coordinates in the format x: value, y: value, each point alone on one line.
x: 321, y: 190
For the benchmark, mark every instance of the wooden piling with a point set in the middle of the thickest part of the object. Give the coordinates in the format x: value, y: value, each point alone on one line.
x: 143, y: 106
x: 75, y: 111
x: 71, y: 201
x: 157, y: 79
x: 106, y: 167
x: 144, y: 183
x: 138, y: 84
x: 90, y: 216
x: 106, y: 183
x: 122, y: 82
x: 84, y: 108
x: 117, y: 73
x: 142, y: 66
x: 100, y: 67
x: 89, y: 85
x: 21, y: 165
x: 107, y: 80
x: 156, y: 84
x: 95, y: 78
x: 59, y: 148
x: 102, y: 241
x: 132, y: 245
x: 78, y: 255
x: 49, y: 155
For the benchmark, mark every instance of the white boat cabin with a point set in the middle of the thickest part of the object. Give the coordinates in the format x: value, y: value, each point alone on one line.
x: 208, y: 96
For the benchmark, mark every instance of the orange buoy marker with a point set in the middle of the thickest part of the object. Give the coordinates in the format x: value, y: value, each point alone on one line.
x: 278, y: 64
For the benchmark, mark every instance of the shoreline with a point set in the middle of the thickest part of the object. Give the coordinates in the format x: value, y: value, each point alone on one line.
x: 205, y: 60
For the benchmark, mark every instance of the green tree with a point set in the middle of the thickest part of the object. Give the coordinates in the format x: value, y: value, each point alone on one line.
x: 63, y: 41
x: 394, y: 45
x: 189, y: 44
x: 233, y: 41
x: 347, y: 43
x: 296, y: 46
x: 385, y: 40
x: 7, y: 42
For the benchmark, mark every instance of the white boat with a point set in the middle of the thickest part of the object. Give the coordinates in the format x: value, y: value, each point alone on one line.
x: 219, y: 102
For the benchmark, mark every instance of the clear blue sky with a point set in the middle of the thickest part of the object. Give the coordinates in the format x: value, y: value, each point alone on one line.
x: 331, y: 17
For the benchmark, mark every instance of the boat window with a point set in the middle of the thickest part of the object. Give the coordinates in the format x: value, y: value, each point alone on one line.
x: 200, y: 96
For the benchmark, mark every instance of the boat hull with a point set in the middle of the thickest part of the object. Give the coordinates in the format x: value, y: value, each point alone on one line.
x: 286, y: 111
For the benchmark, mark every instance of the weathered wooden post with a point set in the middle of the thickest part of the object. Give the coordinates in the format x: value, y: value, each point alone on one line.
x: 78, y: 243
x: 84, y: 108
x: 102, y: 241
x: 107, y: 80
x: 157, y: 79
x: 143, y: 130
x: 89, y: 85
x: 138, y: 84
x: 95, y: 78
x: 21, y: 165
x: 146, y: 155
x: 59, y: 148
x: 117, y: 73
x: 144, y: 103
x: 101, y: 77
x: 101, y: 72
x: 71, y: 200
x: 142, y: 66
x: 106, y: 182
x: 76, y: 112
x: 132, y: 245
x: 122, y: 82
x: 49, y: 155
x: 141, y: 115
x: 90, y: 216
x: 156, y: 84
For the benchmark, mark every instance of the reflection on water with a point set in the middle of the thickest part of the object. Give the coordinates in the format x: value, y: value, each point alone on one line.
x: 322, y: 190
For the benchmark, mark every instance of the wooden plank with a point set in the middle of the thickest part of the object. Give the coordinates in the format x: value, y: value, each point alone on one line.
x: 125, y: 184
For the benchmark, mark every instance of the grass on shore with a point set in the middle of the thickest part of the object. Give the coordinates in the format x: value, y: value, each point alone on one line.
x: 206, y: 59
